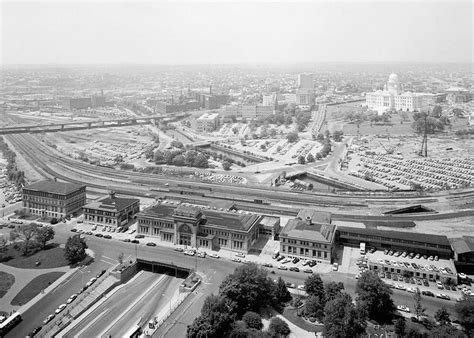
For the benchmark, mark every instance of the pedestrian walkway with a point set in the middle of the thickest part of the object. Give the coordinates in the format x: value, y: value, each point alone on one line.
x: 296, y: 331
x: 22, y: 278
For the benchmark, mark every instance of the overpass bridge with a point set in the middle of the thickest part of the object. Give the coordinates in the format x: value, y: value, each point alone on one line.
x: 84, y: 124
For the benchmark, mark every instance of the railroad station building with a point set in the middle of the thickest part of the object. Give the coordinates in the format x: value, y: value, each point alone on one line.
x: 425, y: 244
x: 310, y: 235
x: 198, y: 227
x: 111, y: 211
x: 51, y: 198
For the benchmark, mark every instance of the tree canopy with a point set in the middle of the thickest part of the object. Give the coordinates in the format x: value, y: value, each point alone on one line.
x: 342, y: 319
x: 375, y: 296
x: 75, y: 250
x: 465, y: 311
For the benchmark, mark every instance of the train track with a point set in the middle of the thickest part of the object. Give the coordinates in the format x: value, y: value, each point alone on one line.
x: 45, y: 159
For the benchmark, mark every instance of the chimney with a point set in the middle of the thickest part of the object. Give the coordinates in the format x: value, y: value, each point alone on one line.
x: 308, y: 220
x: 55, y: 179
x: 112, y: 194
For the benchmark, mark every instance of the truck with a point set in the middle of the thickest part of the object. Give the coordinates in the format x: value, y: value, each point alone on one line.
x: 362, y: 248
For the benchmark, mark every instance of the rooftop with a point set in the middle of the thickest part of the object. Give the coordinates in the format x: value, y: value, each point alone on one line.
x: 462, y: 245
x: 112, y: 203
x: 402, y: 235
x: 54, y: 187
x: 314, y: 215
x: 297, y: 228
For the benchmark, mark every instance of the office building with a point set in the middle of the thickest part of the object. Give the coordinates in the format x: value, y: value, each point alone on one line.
x: 458, y: 95
x: 77, y: 103
x: 111, y: 211
x: 310, y: 235
x: 207, y: 122
x: 53, y: 198
x: 305, y: 97
x: 305, y: 81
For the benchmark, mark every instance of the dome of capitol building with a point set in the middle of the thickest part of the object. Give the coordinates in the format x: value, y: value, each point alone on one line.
x: 393, y: 78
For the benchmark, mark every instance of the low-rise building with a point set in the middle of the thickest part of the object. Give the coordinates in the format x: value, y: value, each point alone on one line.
x: 424, y: 244
x: 111, y: 211
x: 207, y: 122
x: 199, y: 227
x: 270, y: 226
x: 51, y: 198
x: 310, y: 235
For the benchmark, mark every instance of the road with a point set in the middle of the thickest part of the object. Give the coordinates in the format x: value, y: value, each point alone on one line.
x: 119, y: 312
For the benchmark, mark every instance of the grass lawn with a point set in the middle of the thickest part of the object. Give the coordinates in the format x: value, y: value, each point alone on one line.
x: 6, y: 281
x: 51, y: 257
x: 290, y: 314
x: 34, y: 287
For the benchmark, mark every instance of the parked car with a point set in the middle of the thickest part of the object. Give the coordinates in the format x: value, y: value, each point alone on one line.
x: 308, y: 271
x: 126, y: 240
x: 294, y: 269
x: 290, y: 285
x: 151, y: 244
x: 48, y: 319
x: 135, y: 241
x: 214, y: 255
x: 240, y: 254
x: 235, y: 259
x: 335, y: 267
x: 60, y: 308
x: 179, y: 249
x: 201, y: 254
x: 100, y: 273
x: 311, y: 263
x: 189, y: 252
x: 443, y: 296
x: 268, y: 265
x: 99, y: 235
x: 71, y: 299
x: 295, y: 260
x: 282, y: 267
x: 139, y: 236
x: 403, y: 308
x: 427, y: 293
x: 280, y: 258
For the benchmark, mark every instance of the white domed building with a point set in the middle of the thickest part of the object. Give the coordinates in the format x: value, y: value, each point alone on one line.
x: 392, y: 97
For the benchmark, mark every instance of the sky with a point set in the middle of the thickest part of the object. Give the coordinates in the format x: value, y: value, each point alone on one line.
x: 163, y: 32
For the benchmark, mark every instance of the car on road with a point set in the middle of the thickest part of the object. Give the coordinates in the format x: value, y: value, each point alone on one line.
x: 73, y: 230
x: 282, y: 267
x: 335, y: 267
x: 135, y: 241
x: 126, y: 240
x: 71, y: 299
x: 235, y: 259
x: 99, y: 235
x: 213, y: 255
x: 308, y: 271
x: 60, y: 308
x: 239, y: 254
x: 403, y: 308
x: 140, y: 236
x: 411, y: 290
x: 312, y: 263
x: 443, y: 296
x: 48, y: 319
x: 151, y: 244
x: 301, y: 287
x: 268, y: 265
x: 189, y: 252
x: 179, y: 249
x: 107, y: 237
x: 201, y: 254
x: 290, y: 285
x: 294, y: 269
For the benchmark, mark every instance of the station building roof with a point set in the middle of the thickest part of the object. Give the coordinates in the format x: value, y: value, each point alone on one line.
x: 54, y: 187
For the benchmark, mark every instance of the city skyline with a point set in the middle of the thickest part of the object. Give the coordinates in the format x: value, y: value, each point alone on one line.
x: 235, y: 32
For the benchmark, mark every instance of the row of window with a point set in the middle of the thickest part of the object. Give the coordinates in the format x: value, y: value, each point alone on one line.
x: 304, y: 243
x: 99, y: 212
x: 291, y: 250
x: 364, y: 237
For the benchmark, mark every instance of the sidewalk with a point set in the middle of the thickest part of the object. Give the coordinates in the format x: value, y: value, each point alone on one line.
x: 22, y: 278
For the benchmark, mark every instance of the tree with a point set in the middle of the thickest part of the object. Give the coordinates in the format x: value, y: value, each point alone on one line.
x: 418, y: 307
x: 332, y: 290
x: 214, y: 320
x: 278, y: 327
x: 446, y: 331
x: 319, y: 156
x: 201, y: 161
x: 281, y: 293
x: 465, y: 311
x: 413, y: 333
x: 337, y: 135
x: 314, y: 307
x: 177, y: 144
x: 158, y: 156
x: 342, y: 318
x: 75, y: 250
x: 436, y: 112
x: 44, y: 235
x: 442, y: 316
x: 247, y: 289
x: 178, y: 160
x: 26, y: 234
x: 314, y: 287
x: 235, y: 130
x: 301, y: 159
x: 292, y: 137
x: 226, y: 165
x: 400, y: 327
x: 310, y: 158
x: 433, y: 125
x: 253, y: 320
x: 375, y: 296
